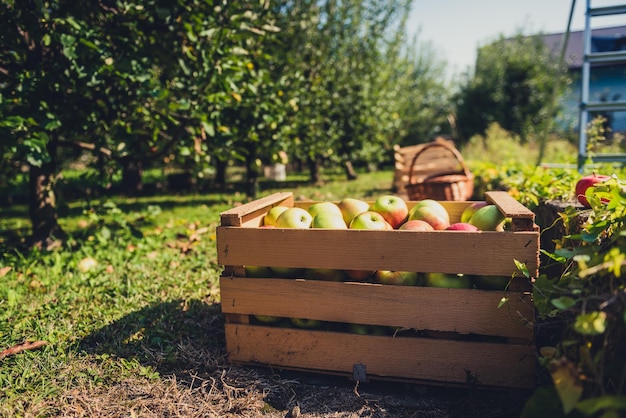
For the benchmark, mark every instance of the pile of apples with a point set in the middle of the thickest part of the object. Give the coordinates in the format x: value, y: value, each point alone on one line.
x: 386, y: 213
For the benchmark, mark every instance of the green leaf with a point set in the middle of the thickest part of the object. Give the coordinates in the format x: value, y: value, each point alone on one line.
x: 592, y: 323
x: 595, y: 405
x: 544, y: 403
x: 564, y: 302
x: 567, y: 383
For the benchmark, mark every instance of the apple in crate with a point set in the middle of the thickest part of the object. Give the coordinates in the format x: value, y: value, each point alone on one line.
x: 327, y: 275
x: 294, y: 217
x: 393, y: 208
x: 328, y: 220
x: 270, y: 217
x: 456, y: 281
x: 400, y: 278
x: 431, y: 211
x: 267, y: 319
x: 351, y: 207
x: 324, y: 207
x: 488, y: 218
x: 416, y: 225
x: 469, y: 211
x: 306, y: 323
x: 258, y: 271
x: 369, y: 220
x: 585, y: 183
x: 462, y: 226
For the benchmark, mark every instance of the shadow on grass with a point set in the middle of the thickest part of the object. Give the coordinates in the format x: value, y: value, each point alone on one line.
x: 174, y: 337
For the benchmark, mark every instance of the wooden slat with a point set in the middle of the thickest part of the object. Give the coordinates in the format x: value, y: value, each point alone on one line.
x: 455, y: 310
x: 501, y: 365
x: 523, y: 219
x: 487, y: 253
x: 238, y: 216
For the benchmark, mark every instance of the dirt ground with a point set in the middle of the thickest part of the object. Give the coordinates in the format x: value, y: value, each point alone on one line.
x: 202, y: 383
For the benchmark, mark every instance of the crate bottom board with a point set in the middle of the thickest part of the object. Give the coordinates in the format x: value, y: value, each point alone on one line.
x: 383, y: 357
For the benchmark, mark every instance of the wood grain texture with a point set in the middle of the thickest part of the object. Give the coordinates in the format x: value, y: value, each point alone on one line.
x: 422, y: 308
x: 492, y: 364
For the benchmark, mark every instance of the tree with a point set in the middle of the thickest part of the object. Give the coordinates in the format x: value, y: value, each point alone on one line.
x: 513, y: 85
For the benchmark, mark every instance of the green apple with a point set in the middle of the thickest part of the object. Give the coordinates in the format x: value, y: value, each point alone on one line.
x: 328, y: 220
x: 258, y: 271
x: 267, y: 319
x: 322, y: 207
x: 351, y: 207
x: 456, y: 281
x: 400, y: 278
x: 467, y: 213
x: 294, y: 218
x: 270, y: 217
x: 491, y: 282
x: 360, y: 329
x: 328, y: 275
x: 416, y: 225
x: 306, y: 323
x: 393, y: 208
x: 432, y: 212
x: 487, y: 218
x: 369, y: 220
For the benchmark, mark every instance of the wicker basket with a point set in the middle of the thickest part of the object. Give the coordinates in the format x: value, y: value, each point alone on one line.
x: 457, y: 185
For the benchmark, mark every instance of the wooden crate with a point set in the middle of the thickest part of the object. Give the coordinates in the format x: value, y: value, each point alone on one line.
x: 456, y: 334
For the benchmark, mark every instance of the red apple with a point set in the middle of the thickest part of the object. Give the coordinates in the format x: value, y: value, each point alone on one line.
x: 585, y: 183
x: 467, y: 213
x: 462, y: 226
x: 416, y: 225
x: 432, y: 212
x: 360, y: 275
x: 393, y: 208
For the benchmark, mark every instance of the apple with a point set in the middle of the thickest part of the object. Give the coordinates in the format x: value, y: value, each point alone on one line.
x: 585, y: 183
x: 351, y: 207
x: 462, y: 226
x: 270, y: 217
x: 294, y: 218
x: 416, y: 225
x: 401, y: 278
x: 328, y: 275
x: 369, y: 220
x: 267, y: 319
x: 456, y: 281
x: 258, y: 271
x: 323, y: 207
x: 467, y: 213
x: 487, y: 218
x: 393, y: 208
x: 287, y: 272
x: 306, y: 323
x: 432, y: 212
x: 491, y: 282
x: 360, y: 329
x: 360, y: 275
x: 329, y: 219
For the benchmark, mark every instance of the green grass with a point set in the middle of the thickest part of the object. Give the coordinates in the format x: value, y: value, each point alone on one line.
x: 149, y: 308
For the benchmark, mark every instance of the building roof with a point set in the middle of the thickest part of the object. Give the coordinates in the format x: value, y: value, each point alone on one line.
x: 602, y: 40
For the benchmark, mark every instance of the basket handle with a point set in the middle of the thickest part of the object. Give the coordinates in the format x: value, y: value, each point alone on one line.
x: 452, y: 149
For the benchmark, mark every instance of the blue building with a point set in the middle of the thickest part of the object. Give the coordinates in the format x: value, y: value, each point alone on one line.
x: 607, y: 82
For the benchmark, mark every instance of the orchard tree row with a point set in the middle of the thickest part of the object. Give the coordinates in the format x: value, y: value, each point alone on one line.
x: 201, y: 83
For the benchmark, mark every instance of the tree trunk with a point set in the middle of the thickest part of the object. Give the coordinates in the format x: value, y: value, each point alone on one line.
x: 46, y: 231
x: 132, y: 173
x: 220, y: 173
x: 314, y: 170
x: 350, y: 173
x: 252, y: 177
